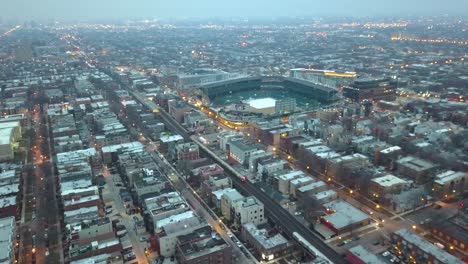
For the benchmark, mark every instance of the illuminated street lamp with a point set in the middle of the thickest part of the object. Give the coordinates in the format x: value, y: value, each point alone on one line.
x: 414, y: 227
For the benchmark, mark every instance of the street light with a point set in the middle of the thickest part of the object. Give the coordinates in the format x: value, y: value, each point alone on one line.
x: 414, y: 227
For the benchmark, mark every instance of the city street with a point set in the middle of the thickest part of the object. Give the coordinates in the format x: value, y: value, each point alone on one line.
x: 125, y: 219
x: 40, y: 236
x: 200, y: 207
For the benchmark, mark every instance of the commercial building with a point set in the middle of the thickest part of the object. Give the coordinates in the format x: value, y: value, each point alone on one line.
x: 342, y: 217
x: 371, y: 89
x: 268, y: 246
x: 411, y: 246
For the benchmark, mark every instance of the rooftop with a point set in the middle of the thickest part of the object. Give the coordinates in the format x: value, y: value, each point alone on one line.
x: 388, y: 180
x: 7, y: 231
x: 427, y: 247
x: 200, y: 242
x: 312, y: 186
x: 261, y: 235
x: 172, y: 138
x: 448, y: 176
x: 365, y: 255
x: 345, y: 214
x: 415, y: 163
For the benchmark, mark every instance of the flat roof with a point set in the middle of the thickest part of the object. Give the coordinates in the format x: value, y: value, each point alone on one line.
x: 262, y: 103
x: 135, y: 145
x: 290, y: 175
x: 448, y: 176
x: 365, y: 255
x: 388, y: 180
x: 345, y: 214
x: 219, y: 193
x: 262, y: 237
x: 171, y: 138
x: 302, y: 180
x: 325, y: 194
x: 7, y: 229
x: 415, y: 163
x: 390, y: 149
x: 174, y: 218
x: 427, y: 247
x: 318, y: 149
x: 5, y: 135
x: 7, y: 201
x: 312, y: 186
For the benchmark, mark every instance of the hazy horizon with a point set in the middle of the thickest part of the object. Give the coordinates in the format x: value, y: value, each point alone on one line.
x: 86, y: 10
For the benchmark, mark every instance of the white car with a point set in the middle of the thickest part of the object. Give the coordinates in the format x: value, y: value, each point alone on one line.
x: 386, y: 254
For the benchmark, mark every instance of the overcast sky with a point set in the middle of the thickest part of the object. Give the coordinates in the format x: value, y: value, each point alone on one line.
x: 120, y: 9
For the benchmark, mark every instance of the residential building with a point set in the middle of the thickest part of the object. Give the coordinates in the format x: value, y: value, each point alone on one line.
x: 8, y: 239
x: 421, y: 171
x: 203, y: 245
x: 415, y: 247
x: 249, y: 210
x: 361, y: 255
x: 268, y: 246
x: 450, y: 183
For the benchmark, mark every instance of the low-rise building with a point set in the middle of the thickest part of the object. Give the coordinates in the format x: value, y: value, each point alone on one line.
x: 297, y: 183
x: 81, y: 214
x: 422, y: 251
x: 228, y: 199
x: 187, y: 151
x: 342, y: 217
x: 453, y: 231
x: 388, y: 184
x: 8, y: 238
x: 165, y: 205
x: 418, y: 169
x: 284, y: 180
x: 249, y: 210
x: 203, y: 245
x: 168, y: 229
x: 267, y: 246
x: 450, y: 183
x: 325, y: 196
x: 362, y: 255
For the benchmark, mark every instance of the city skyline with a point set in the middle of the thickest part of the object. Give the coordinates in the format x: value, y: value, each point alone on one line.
x: 86, y: 10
